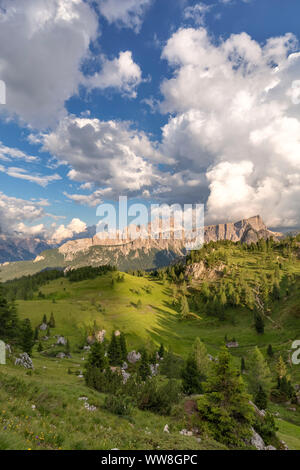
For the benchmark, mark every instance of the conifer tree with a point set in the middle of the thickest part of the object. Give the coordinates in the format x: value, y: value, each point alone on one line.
x: 9, y: 322
x: 161, y: 351
x: 45, y: 319
x: 259, y: 374
x: 68, y: 348
x: 261, y: 399
x: 243, y: 365
x: 270, y: 351
x: 40, y: 347
x: 52, y: 321
x: 96, y: 358
x: 191, y: 379
x: 36, y: 333
x: 225, y: 405
x: 144, y: 370
x: 114, y: 351
x: 184, y: 308
x: 281, y: 368
x: 123, y: 347
x: 201, y: 358
x: 27, y: 336
x: 259, y: 323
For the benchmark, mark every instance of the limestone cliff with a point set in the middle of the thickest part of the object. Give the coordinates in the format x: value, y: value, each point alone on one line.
x: 246, y: 230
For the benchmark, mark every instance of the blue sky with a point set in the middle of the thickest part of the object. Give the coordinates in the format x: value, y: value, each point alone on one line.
x: 161, y: 100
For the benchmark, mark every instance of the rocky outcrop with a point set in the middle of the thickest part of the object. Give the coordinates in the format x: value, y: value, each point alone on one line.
x: 24, y: 360
x: 246, y: 230
x: 201, y: 270
x: 133, y: 253
x: 257, y: 441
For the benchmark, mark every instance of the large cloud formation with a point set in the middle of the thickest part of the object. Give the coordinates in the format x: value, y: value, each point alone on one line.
x: 43, y: 44
x: 15, y: 211
x: 235, y: 120
x: 112, y: 155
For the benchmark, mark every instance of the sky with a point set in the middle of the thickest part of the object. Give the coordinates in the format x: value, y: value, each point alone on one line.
x: 165, y: 101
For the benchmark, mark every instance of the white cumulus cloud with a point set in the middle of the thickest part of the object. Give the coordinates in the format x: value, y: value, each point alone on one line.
x: 235, y: 123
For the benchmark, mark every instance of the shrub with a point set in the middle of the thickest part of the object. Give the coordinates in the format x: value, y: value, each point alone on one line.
x: 119, y: 405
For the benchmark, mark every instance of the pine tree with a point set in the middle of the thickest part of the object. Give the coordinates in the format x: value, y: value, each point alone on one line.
x: 259, y: 374
x: 144, y: 370
x: 225, y: 405
x: 114, y: 351
x: 45, y: 319
x: 52, y: 321
x: 123, y: 347
x: 36, y: 333
x: 184, y: 308
x: 270, y: 351
x: 161, y: 351
x: 96, y: 358
x: 9, y: 322
x: 243, y: 365
x: 68, y: 348
x: 201, y: 358
x: 40, y: 347
x: 259, y: 323
x: 281, y: 368
x: 27, y: 336
x: 261, y: 399
x: 191, y: 379
x: 139, y: 304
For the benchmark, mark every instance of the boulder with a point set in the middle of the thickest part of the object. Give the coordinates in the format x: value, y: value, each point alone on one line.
x: 61, y: 341
x: 259, y: 412
x: 166, y: 429
x: 100, y: 335
x: 43, y: 326
x: 232, y: 344
x: 125, y: 376
x: 24, y: 360
x: 185, y: 432
x: 270, y: 448
x: 133, y: 357
x: 257, y: 441
x: 154, y: 369
x: 61, y: 355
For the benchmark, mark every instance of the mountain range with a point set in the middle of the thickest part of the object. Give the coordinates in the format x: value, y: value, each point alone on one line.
x: 127, y: 254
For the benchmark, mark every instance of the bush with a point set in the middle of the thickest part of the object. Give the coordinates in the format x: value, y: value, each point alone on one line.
x: 159, y: 399
x: 267, y: 428
x: 119, y: 405
x: 171, y: 366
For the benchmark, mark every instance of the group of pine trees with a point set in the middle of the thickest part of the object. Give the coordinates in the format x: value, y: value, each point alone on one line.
x: 12, y: 329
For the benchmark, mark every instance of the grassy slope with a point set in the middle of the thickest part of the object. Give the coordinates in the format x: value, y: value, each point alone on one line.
x: 78, y: 305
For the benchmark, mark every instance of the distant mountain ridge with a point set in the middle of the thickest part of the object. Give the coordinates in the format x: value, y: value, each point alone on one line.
x: 16, y: 247
x: 132, y: 254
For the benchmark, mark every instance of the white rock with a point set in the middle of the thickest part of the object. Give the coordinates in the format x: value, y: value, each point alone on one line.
x: 257, y: 441
x: 166, y: 429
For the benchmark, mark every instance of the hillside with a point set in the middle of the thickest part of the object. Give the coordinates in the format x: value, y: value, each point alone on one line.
x: 146, y: 307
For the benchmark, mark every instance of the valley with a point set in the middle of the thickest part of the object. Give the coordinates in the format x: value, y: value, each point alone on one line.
x: 147, y: 307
